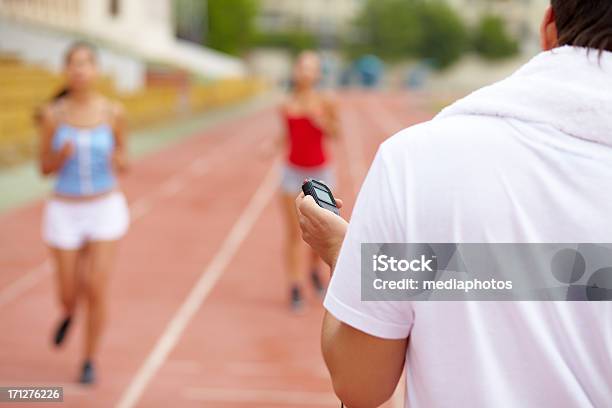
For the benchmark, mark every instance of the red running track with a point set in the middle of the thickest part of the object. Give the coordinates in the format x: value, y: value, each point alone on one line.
x: 198, y: 309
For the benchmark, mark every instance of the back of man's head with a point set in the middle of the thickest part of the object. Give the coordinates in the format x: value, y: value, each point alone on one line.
x: 584, y: 23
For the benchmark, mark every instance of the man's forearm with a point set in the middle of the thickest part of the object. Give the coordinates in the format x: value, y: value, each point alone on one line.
x: 331, y: 257
x: 364, y: 369
x: 340, y: 366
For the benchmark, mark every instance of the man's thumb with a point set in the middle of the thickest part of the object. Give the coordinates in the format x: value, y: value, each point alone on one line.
x: 309, y: 208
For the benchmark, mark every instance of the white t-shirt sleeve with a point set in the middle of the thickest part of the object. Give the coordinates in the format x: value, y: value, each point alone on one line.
x: 376, y: 219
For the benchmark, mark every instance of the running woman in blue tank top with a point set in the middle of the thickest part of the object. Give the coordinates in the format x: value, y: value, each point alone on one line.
x: 82, y: 144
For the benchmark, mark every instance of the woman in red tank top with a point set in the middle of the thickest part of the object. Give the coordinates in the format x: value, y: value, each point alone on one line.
x: 310, y: 120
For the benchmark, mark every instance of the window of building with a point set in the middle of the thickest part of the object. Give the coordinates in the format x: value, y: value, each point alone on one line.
x: 114, y: 8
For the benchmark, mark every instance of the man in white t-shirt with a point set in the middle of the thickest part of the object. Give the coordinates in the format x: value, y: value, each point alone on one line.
x: 526, y: 160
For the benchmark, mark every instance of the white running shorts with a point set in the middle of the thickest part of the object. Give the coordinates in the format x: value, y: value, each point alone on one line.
x: 292, y: 177
x: 70, y: 224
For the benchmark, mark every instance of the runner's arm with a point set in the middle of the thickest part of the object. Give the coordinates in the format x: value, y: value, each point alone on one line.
x: 120, y: 157
x: 50, y: 161
x: 332, y: 125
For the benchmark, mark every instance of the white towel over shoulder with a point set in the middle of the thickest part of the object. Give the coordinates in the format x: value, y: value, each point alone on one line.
x: 568, y: 88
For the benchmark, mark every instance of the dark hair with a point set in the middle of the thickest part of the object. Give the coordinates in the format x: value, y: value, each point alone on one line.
x: 584, y: 23
x: 74, y: 47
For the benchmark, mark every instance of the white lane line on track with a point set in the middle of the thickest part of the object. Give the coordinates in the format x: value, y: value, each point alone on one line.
x: 200, y: 166
x: 139, y: 209
x: 173, y: 186
x: 254, y: 396
x: 200, y: 291
x: 24, y: 282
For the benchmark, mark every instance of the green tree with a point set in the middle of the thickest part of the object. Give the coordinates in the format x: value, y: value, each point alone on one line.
x: 444, y: 37
x: 293, y: 41
x: 230, y: 25
x: 491, y: 39
x: 398, y: 29
x: 387, y: 28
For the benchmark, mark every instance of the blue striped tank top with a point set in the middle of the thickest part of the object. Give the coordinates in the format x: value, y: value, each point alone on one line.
x: 89, y: 171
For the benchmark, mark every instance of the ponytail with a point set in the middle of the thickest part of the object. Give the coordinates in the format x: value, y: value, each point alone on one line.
x: 37, y: 117
x: 60, y: 94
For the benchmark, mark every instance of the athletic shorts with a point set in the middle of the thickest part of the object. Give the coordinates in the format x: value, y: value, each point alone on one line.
x: 70, y: 224
x: 293, y: 177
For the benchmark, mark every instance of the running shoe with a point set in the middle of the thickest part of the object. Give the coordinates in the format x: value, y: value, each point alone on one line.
x: 88, y: 375
x: 317, y: 284
x: 60, y: 332
x: 297, y: 303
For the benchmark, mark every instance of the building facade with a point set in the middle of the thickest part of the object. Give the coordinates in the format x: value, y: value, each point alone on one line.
x: 334, y: 17
x: 143, y: 29
x: 321, y: 17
